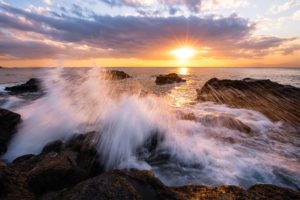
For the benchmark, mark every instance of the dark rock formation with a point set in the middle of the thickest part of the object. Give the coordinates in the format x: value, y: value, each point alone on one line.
x: 257, y: 192
x: 55, y: 146
x: 8, y: 123
x: 119, y: 184
x: 54, y: 172
x: 13, y: 185
x: 276, y: 101
x: 218, y: 121
x: 65, y: 171
x: 116, y: 75
x: 225, y: 121
x: 33, y: 85
x: 168, y: 79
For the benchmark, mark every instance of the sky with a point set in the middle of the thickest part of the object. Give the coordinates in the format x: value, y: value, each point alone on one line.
x: 137, y: 33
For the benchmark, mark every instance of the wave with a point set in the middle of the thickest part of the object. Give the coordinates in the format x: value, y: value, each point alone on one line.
x: 200, y: 143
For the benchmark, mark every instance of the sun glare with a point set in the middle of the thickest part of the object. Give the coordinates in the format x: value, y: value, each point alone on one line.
x: 184, y: 53
x: 183, y: 71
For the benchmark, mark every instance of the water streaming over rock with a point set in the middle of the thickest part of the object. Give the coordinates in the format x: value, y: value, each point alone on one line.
x: 183, y: 143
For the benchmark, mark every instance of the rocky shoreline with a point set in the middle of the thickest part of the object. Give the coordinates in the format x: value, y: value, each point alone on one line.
x: 72, y: 169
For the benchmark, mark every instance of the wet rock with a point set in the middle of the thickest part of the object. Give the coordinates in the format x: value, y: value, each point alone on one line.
x: 8, y: 127
x: 54, y: 172
x: 116, y: 75
x: 168, y: 79
x: 120, y: 185
x: 225, y: 121
x: 276, y: 101
x: 55, y: 146
x: 264, y: 191
x: 211, y: 193
x: 13, y: 185
x: 32, y: 85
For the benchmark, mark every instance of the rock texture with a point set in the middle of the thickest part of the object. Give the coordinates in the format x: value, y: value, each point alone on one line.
x: 32, y: 85
x: 116, y: 75
x: 66, y: 171
x: 168, y: 79
x: 8, y: 123
x: 276, y: 101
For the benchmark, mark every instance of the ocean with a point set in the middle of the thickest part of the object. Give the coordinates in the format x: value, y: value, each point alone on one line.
x: 126, y: 113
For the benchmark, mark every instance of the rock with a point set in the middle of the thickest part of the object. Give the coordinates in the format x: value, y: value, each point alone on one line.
x: 120, y: 185
x: 8, y: 127
x: 225, y: 121
x: 54, y: 172
x: 211, y: 193
x: 55, y: 146
x: 265, y: 191
x: 168, y: 79
x: 276, y: 101
x: 116, y: 75
x: 33, y: 85
x: 13, y: 185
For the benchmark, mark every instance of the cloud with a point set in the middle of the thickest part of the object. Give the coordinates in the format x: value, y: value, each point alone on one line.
x: 174, y: 6
x: 49, y: 2
x: 289, y: 4
x: 131, y: 36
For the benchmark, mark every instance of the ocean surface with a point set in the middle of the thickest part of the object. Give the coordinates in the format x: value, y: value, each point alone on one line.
x: 127, y: 113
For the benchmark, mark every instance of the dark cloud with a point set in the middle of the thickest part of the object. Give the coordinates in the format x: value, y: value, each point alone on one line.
x: 27, y: 49
x: 133, y: 36
x: 192, y: 5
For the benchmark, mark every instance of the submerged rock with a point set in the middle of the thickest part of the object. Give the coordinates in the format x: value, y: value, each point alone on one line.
x: 116, y: 75
x: 32, y: 85
x: 168, y: 79
x: 276, y: 101
x: 8, y: 124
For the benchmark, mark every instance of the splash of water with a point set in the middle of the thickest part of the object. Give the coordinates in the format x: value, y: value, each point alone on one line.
x: 187, y: 150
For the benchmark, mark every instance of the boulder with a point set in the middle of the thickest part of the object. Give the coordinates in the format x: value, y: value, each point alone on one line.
x: 55, y: 146
x: 259, y: 192
x: 13, y: 185
x: 116, y: 75
x: 226, y: 122
x: 32, y: 85
x: 168, y: 79
x: 118, y: 184
x: 276, y: 101
x: 54, y: 172
x: 266, y: 191
x: 121, y: 184
x: 8, y: 127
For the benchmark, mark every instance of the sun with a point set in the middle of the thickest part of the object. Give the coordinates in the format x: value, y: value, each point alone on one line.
x: 184, y: 53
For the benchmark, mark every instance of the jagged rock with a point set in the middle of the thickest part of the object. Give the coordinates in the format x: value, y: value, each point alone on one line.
x: 55, y: 146
x: 32, y: 85
x: 116, y: 75
x: 120, y: 185
x: 13, y: 185
x: 266, y: 191
x: 218, y: 121
x: 54, y: 172
x: 168, y: 79
x: 276, y: 101
x: 212, y: 193
x: 8, y: 123
x: 225, y: 121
